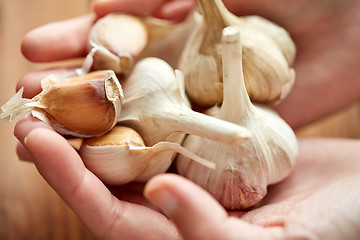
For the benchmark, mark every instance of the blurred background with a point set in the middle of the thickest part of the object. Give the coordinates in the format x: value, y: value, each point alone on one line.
x: 29, y: 208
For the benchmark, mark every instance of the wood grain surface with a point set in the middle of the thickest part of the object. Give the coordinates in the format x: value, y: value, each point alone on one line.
x: 29, y: 208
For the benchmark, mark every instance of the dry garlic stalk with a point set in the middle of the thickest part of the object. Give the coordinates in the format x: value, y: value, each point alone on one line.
x: 120, y: 156
x: 118, y: 40
x: 82, y: 106
x: 268, y: 51
x: 155, y: 105
x: 243, y: 172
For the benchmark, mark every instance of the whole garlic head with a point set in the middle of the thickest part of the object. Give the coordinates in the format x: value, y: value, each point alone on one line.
x: 268, y: 53
x: 242, y: 172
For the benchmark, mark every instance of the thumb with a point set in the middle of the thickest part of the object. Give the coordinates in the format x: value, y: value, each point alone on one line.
x: 197, y: 214
x: 193, y: 210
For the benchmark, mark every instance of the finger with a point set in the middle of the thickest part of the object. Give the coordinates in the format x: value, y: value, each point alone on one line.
x: 197, y: 215
x: 23, y: 153
x: 58, y: 40
x: 31, y: 82
x: 24, y: 126
x: 135, y: 7
x: 104, y: 215
x: 186, y: 204
x: 175, y: 10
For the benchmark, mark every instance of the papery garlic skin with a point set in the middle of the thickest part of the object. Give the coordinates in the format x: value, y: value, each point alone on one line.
x: 243, y: 172
x: 268, y: 53
x: 120, y: 156
x: 167, y: 39
x: 81, y: 106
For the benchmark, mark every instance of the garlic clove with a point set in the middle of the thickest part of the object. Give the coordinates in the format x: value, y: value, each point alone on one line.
x: 120, y: 156
x: 117, y: 40
x: 242, y: 172
x: 268, y: 55
x: 117, y: 33
x: 155, y: 105
x: 80, y: 106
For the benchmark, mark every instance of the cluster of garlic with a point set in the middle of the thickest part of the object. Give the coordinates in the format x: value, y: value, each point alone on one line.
x: 134, y: 111
x: 268, y: 53
x: 242, y: 172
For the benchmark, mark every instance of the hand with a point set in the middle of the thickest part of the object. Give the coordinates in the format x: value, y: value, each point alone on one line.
x: 108, y: 212
x: 319, y: 200
x: 125, y: 213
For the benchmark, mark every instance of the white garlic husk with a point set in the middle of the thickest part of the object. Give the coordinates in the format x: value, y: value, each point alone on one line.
x: 268, y: 53
x: 167, y: 39
x: 118, y: 40
x: 155, y: 105
x: 120, y: 156
x: 242, y: 172
x: 81, y: 106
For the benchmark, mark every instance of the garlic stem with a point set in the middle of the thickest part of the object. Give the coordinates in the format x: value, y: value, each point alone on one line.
x: 16, y: 107
x: 236, y: 103
x: 213, y: 15
x: 175, y: 147
x: 156, y: 107
x: 183, y: 119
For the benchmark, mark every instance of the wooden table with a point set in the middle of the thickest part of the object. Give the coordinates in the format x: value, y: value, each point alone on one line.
x: 29, y: 208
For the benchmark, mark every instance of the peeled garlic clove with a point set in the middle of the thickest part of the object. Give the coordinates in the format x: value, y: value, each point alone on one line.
x: 242, y: 172
x: 120, y: 156
x: 268, y: 52
x: 156, y: 106
x: 117, y: 40
x: 80, y: 106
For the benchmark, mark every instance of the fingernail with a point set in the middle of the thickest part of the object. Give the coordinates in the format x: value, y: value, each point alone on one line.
x: 162, y: 198
x: 25, y: 140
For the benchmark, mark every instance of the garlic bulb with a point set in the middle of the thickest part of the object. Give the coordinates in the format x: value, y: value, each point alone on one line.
x: 155, y: 106
x: 242, y: 172
x: 120, y: 156
x: 268, y: 52
x: 118, y: 40
x: 81, y: 106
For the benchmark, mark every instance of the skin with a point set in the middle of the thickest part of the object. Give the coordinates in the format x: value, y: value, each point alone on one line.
x: 319, y: 200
